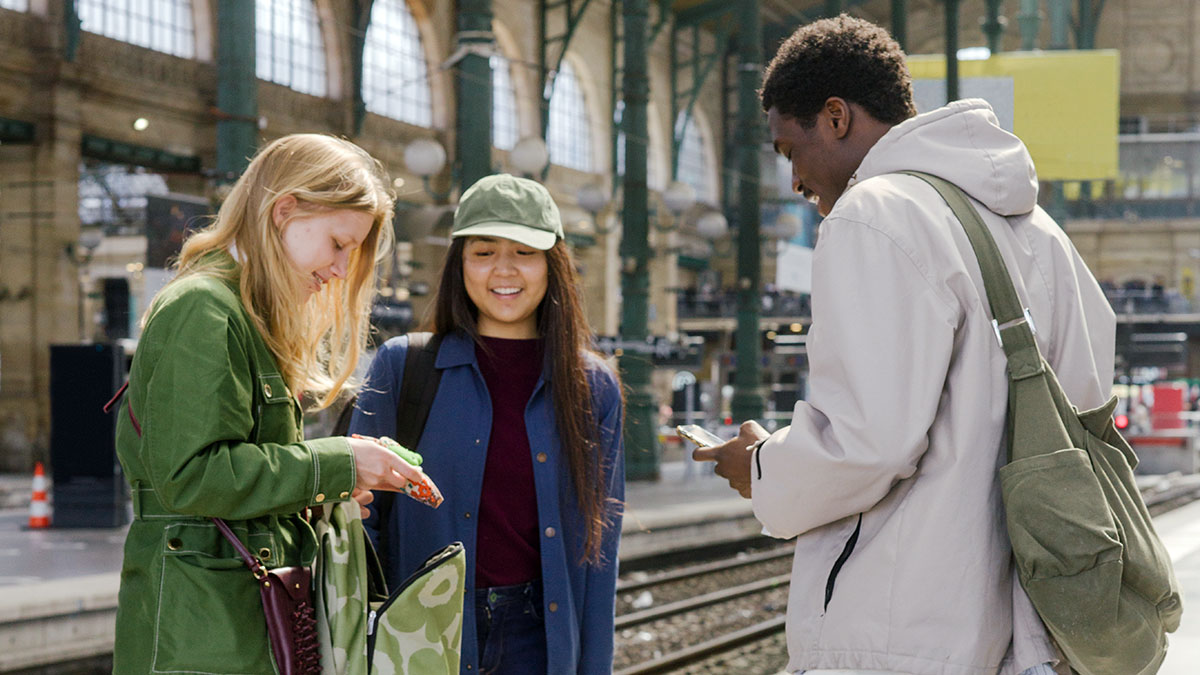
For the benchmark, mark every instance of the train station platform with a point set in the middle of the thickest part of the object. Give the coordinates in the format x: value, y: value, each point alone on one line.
x: 58, y: 587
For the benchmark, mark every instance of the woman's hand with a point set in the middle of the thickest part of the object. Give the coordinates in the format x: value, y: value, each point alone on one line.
x: 363, y: 497
x: 378, y: 468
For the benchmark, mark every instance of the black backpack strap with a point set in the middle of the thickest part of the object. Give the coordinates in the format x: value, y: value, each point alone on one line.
x: 417, y: 388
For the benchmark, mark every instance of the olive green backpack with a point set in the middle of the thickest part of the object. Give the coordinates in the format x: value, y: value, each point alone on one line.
x: 1085, y: 548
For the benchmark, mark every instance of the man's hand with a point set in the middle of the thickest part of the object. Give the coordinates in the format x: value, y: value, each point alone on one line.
x: 733, y: 456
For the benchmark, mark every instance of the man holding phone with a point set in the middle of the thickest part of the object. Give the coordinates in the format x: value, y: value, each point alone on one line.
x: 887, y: 474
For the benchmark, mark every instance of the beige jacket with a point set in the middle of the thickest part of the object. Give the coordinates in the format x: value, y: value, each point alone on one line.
x: 905, y: 416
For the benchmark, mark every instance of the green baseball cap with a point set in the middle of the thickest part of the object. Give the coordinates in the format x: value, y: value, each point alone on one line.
x: 514, y: 208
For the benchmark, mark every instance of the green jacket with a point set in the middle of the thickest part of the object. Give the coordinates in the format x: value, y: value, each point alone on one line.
x: 217, y: 433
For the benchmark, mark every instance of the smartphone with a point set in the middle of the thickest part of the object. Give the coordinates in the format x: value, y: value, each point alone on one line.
x: 699, y: 435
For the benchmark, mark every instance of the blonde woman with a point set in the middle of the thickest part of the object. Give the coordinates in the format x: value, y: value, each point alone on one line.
x: 270, y: 304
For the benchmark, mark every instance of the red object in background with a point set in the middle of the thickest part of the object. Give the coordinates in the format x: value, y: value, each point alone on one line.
x: 1170, y: 399
x: 1122, y: 421
x: 39, y: 509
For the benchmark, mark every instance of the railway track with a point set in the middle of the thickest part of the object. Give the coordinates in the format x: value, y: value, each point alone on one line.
x: 681, y: 615
x: 726, y: 614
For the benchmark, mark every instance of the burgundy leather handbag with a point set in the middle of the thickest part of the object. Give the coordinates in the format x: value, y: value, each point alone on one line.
x: 287, y: 603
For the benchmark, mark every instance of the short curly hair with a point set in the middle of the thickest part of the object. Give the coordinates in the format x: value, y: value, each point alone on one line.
x: 845, y: 57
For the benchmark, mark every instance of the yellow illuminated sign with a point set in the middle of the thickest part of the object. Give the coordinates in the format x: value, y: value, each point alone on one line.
x: 1064, y: 105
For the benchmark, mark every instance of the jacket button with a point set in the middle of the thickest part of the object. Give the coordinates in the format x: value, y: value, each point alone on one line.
x: 267, y: 390
x: 345, y: 494
x: 467, y: 515
x: 264, y: 553
x: 541, y: 457
x: 549, y: 531
x: 174, y: 544
x: 320, y: 497
x: 553, y: 607
x: 477, y: 441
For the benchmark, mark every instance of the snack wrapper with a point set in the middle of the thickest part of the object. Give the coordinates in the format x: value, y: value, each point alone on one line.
x: 424, y: 490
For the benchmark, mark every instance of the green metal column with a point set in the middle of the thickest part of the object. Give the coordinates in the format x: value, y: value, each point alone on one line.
x: 951, y: 50
x: 900, y: 23
x: 747, y: 401
x: 1030, y: 20
x: 993, y: 26
x: 1085, y: 38
x: 1060, y: 24
x: 358, y: 44
x: 473, y: 140
x: 237, y: 88
x: 641, y: 438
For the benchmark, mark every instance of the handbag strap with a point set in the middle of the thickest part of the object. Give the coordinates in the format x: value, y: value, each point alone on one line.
x: 255, y: 565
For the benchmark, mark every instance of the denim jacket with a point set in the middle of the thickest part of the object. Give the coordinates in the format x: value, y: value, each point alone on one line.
x: 578, y: 599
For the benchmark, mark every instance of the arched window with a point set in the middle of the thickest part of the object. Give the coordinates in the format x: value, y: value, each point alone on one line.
x: 652, y: 180
x: 113, y: 196
x: 290, y: 49
x: 395, y: 74
x: 569, y: 138
x: 161, y: 25
x: 694, y: 161
x: 505, y: 129
x: 18, y: 5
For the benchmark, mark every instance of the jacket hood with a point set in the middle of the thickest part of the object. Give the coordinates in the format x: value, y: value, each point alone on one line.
x: 964, y: 144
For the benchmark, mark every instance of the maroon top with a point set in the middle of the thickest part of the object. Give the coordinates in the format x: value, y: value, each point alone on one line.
x: 507, y: 543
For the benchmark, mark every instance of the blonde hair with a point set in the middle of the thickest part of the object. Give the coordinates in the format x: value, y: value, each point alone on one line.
x: 316, y: 343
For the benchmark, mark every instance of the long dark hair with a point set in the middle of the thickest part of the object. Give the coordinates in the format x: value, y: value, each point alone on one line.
x: 564, y: 327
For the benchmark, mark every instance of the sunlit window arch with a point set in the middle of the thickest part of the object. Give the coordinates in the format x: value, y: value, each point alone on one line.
x: 506, y: 127
x: 569, y: 136
x: 395, y: 71
x: 291, y: 49
x: 162, y: 25
x: 654, y: 153
x: 696, y: 159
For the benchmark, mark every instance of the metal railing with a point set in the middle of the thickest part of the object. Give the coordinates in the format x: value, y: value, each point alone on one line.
x: 693, y: 305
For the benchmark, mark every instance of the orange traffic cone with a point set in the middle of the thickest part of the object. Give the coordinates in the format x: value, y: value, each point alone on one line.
x: 39, y: 509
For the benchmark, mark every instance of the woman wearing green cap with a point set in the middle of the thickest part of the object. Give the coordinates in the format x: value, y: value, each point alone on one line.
x: 525, y: 437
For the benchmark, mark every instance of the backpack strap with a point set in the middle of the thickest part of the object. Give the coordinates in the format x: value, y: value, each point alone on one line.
x: 1011, y: 321
x: 1039, y: 413
x: 417, y: 388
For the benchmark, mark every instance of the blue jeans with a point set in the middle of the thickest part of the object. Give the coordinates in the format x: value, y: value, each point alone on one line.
x: 510, y: 629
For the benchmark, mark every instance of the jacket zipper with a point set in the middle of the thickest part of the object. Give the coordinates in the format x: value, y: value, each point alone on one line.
x: 837, y: 566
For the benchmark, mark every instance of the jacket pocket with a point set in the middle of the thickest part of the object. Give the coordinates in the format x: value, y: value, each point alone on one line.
x: 209, y: 615
x: 276, y: 414
x: 841, y: 560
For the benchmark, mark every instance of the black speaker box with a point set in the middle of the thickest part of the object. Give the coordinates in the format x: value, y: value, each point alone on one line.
x: 89, y: 488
